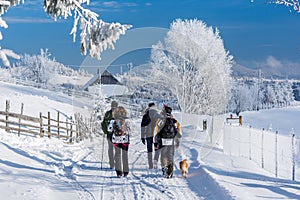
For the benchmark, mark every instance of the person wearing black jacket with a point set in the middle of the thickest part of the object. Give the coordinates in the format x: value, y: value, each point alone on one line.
x: 147, y: 132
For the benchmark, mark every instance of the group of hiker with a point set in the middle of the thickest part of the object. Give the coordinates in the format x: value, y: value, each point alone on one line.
x: 158, y: 129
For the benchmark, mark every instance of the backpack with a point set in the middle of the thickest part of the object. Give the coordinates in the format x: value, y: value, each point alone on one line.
x: 146, y: 119
x: 106, y: 120
x: 119, y: 135
x: 169, y: 130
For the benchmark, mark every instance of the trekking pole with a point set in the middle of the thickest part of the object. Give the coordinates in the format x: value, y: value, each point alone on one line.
x: 102, y: 150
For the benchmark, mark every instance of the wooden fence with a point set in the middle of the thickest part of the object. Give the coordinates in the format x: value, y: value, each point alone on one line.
x: 42, y: 125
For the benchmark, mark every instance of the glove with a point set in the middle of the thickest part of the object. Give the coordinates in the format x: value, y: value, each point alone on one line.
x: 143, y: 141
x: 155, y: 146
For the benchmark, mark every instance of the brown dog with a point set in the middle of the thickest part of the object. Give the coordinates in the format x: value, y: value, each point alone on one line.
x: 184, y: 167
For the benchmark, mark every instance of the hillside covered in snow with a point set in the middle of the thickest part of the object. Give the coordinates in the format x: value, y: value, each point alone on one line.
x: 41, y: 168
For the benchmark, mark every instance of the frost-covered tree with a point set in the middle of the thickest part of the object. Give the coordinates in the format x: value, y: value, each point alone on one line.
x: 288, y: 94
x: 244, y: 96
x: 35, y: 67
x: 294, y: 4
x: 194, y: 65
x: 143, y: 87
x: 95, y: 34
x: 284, y: 93
x: 99, y: 108
x: 40, y: 68
x: 269, y: 96
x: 254, y: 95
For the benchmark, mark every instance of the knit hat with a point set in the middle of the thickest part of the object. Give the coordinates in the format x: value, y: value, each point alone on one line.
x: 151, y: 104
x: 168, y: 109
x: 114, y: 104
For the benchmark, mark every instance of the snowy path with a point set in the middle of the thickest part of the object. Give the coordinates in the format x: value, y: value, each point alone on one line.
x: 77, y: 169
x: 48, y: 169
x: 74, y: 171
x: 143, y: 183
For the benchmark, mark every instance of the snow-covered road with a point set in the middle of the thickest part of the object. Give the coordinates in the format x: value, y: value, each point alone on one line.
x: 75, y: 171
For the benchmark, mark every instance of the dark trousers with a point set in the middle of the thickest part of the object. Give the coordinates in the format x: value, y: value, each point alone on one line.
x: 121, y: 159
x: 167, y: 155
x: 149, y: 141
x: 110, y: 151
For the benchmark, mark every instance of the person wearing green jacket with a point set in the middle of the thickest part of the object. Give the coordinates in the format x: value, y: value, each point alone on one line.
x: 104, y: 125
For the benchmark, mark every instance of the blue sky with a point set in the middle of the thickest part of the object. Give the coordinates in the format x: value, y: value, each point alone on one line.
x: 255, y: 33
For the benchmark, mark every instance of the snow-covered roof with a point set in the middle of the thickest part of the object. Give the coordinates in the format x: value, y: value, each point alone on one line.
x: 105, y: 78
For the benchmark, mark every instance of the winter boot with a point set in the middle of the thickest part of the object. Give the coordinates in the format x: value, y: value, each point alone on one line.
x: 119, y: 173
x: 164, y: 171
x: 126, y: 174
x: 170, y: 170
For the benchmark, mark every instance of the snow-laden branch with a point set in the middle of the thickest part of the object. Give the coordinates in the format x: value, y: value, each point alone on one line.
x: 96, y: 35
x: 5, y: 4
x: 5, y: 53
x: 295, y: 4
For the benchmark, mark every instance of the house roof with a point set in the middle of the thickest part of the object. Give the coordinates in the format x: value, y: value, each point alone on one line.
x: 108, y: 78
x: 105, y: 78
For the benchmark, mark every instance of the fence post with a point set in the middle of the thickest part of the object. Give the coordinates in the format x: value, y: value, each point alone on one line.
x: 239, y: 143
x: 77, y: 126
x: 204, y: 126
x: 250, y: 150
x: 58, y: 128
x: 230, y: 141
x: 262, y: 148
x: 41, y: 125
x: 276, y: 154
x: 78, y: 135
x: 293, y: 155
x: 71, y: 130
x: 67, y: 126
x: 19, y: 131
x: 49, y: 123
x: 211, y: 129
x: 6, y: 116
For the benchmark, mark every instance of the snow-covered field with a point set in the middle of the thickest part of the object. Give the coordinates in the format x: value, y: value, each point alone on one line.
x: 283, y: 120
x: 42, y: 168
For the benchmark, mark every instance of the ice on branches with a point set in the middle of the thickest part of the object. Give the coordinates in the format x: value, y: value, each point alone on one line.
x: 96, y: 35
x: 295, y: 4
x: 5, y: 4
x: 5, y: 53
